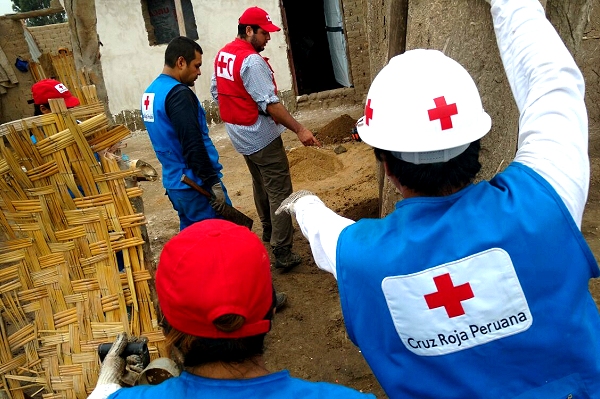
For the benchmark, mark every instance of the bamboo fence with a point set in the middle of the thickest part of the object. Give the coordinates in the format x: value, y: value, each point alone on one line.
x: 65, y: 214
x: 66, y: 73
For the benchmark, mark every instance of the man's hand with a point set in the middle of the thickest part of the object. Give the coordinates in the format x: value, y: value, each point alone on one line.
x: 217, y: 200
x: 287, y: 205
x: 113, y: 365
x: 307, y: 138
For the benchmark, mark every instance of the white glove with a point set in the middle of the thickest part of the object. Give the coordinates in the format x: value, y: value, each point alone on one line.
x: 113, y: 365
x: 111, y: 370
x: 287, y: 205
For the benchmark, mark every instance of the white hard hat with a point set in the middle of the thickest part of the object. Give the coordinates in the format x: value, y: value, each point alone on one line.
x: 424, y: 107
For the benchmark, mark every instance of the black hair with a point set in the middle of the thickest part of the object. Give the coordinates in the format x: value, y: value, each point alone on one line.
x: 37, y: 110
x: 181, y: 47
x: 242, y: 30
x: 198, y: 350
x: 435, y: 179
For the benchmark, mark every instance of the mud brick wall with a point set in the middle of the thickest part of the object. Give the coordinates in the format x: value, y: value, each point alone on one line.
x: 360, y: 66
x: 358, y: 46
x: 50, y: 37
x: 13, y: 104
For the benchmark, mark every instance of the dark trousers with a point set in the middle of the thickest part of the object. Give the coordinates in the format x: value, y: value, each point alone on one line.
x: 271, y: 184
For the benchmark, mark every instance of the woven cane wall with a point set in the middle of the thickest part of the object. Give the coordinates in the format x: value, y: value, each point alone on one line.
x: 64, y: 217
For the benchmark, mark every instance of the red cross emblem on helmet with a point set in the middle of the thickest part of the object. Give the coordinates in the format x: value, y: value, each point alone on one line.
x: 423, y: 101
x: 443, y: 112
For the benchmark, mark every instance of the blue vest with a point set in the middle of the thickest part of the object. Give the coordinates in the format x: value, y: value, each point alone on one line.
x: 272, y: 386
x: 548, y: 348
x: 164, y: 138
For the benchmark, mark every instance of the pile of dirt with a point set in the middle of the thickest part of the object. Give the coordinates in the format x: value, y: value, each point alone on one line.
x: 336, y: 131
x: 311, y: 164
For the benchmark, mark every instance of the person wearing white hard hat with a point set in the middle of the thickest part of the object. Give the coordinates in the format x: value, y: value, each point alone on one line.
x: 471, y: 290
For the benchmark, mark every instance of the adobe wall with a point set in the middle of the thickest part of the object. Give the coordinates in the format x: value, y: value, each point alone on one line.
x: 355, y: 28
x: 589, y: 61
x: 13, y: 104
x: 50, y: 38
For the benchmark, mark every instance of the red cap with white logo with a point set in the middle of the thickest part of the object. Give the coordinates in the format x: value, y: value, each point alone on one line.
x: 258, y: 16
x: 47, y: 89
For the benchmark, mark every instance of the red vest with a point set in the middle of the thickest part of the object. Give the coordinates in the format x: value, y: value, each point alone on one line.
x: 235, y: 104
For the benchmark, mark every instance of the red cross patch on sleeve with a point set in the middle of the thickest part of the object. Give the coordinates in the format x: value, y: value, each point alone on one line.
x: 458, y: 305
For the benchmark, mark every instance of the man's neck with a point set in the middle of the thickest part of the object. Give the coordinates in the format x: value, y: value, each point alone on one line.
x: 167, y: 70
x: 251, y: 368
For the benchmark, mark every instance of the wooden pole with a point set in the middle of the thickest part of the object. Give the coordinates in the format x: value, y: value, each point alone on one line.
x: 180, y: 20
x: 36, y: 13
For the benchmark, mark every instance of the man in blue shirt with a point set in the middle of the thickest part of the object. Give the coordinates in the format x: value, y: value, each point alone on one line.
x: 176, y: 124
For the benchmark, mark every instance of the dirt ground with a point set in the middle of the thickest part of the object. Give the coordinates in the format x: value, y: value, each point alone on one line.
x: 308, y: 337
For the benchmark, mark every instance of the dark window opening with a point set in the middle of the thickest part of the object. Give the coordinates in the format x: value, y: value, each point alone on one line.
x: 309, y: 45
x: 161, y: 20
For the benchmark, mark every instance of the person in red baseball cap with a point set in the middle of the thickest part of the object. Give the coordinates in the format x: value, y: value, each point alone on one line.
x: 47, y: 89
x: 215, y: 290
x: 244, y: 85
x: 258, y: 16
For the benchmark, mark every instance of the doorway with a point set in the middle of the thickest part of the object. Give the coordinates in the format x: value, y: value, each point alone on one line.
x: 316, y: 39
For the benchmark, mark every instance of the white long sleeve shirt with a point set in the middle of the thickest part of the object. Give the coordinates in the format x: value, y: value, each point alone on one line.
x: 553, y: 127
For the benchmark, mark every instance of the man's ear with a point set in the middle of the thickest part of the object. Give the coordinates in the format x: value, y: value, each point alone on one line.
x: 181, y: 63
x: 249, y: 31
x: 386, y: 168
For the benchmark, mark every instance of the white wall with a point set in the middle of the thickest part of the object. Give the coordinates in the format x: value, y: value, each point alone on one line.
x: 129, y: 63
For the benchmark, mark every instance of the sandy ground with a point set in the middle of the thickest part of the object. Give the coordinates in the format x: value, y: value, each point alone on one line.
x: 308, y: 337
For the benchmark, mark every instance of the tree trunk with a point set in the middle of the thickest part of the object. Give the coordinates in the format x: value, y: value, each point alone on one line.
x: 86, y: 45
x: 570, y: 19
x: 463, y: 30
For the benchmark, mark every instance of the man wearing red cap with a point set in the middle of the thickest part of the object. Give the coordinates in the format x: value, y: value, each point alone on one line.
x: 244, y: 86
x: 219, y: 307
x: 48, y: 89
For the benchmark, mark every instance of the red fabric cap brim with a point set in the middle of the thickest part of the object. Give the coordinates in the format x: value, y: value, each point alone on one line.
x: 71, y: 102
x: 270, y: 28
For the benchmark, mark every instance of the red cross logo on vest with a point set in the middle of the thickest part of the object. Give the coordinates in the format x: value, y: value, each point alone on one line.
x: 449, y: 296
x: 368, y: 112
x: 443, y: 112
x: 147, y: 102
x: 224, y: 65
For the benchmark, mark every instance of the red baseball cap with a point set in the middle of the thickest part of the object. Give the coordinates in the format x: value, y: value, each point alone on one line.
x: 258, y: 16
x: 210, y: 269
x: 47, y: 89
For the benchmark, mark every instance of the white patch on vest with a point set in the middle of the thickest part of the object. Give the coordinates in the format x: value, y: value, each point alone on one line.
x: 61, y: 88
x: 458, y: 305
x: 148, y: 107
x: 225, y: 65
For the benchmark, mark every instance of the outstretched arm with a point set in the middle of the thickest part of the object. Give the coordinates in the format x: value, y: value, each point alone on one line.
x: 319, y: 224
x: 549, y: 91
x: 258, y: 81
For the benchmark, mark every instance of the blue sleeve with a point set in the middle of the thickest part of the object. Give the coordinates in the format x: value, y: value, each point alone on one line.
x: 182, y: 108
